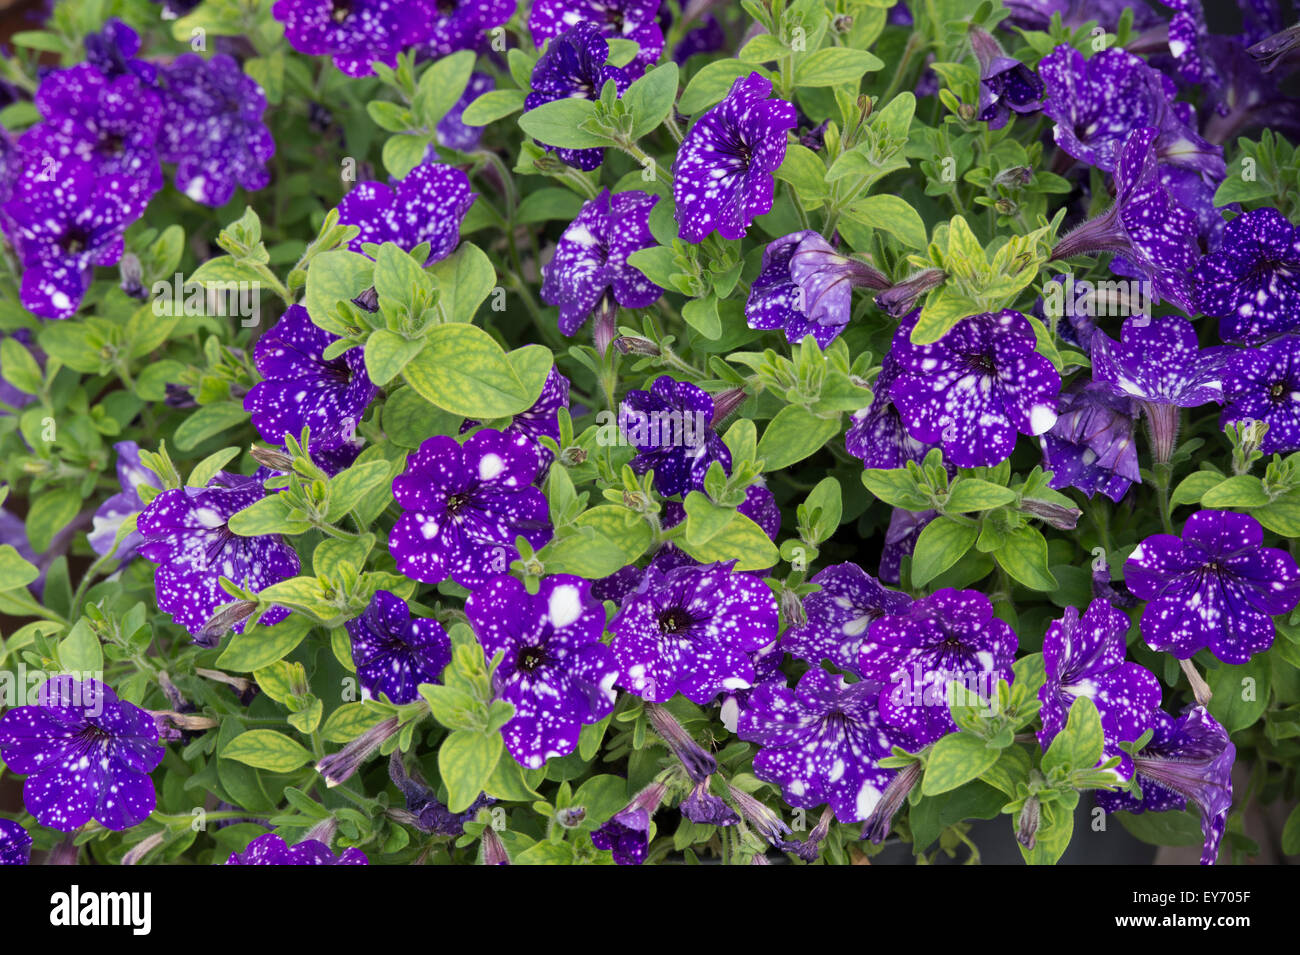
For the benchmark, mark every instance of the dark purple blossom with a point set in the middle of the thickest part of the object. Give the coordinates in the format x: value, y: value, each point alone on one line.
x: 1084, y: 656
x: 1252, y: 282
x: 271, y: 849
x: 1263, y: 384
x: 690, y: 631
x: 975, y: 388
x: 131, y: 475
x: 671, y: 428
x: 86, y: 754
x: 15, y: 843
x: 428, y: 205
x: 1189, y: 760
x: 574, y: 66
x: 465, y: 505
x: 633, y: 20
x: 394, y: 653
x: 722, y: 177
x: 356, y: 33
x: 949, y: 636
x: 1092, y: 446
x: 1217, y: 587
x: 213, y: 129
x: 590, y: 271
x: 301, y: 388
x: 822, y: 742
x: 185, y: 532
x: 838, y: 615
x: 555, y: 670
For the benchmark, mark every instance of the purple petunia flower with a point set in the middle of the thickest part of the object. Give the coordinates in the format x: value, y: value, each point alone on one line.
x: 590, y: 271
x: 1006, y: 84
x: 213, y: 129
x: 271, y: 849
x: 556, y: 671
x: 1155, y: 236
x: 806, y: 288
x: 975, y: 388
x: 1091, y: 446
x: 394, y: 653
x: 131, y: 475
x: 356, y: 33
x: 722, y: 177
x: 574, y: 66
x: 63, y: 226
x: 627, y: 833
x: 1084, y: 656
x: 301, y: 388
x: 460, y: 24
x: 184, y: 531
x: 821, y: 742
x: 850, y: 599
x: 86, y: 754
x: 671, y: 428
x: 633, y: 20
x: 1217, y: 587
x: 948, y: 636
x: 1252, y: 282
x: 428, y: 205
x: 1263, y: 384
x: 1159, y: 364
x: 15, y: 844
x: 452, y: 131
x: 465, y: 506
x: 691, y: 630
x: 1189, y: 760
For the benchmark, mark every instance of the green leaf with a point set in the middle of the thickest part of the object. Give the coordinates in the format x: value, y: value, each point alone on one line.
x: 834, y: 65
x: 972, y: 494
x: 492, y: 106
x: 207, y: 422
x: 892, y: 214
x: 267, y: 749
x: 1023, y: 555
x: 940, y: 544
x: 559, y: 122
x: 650, y: 99
x: 50, y: 512
x: 15, y: 571
x: 741, y: 540
x: 463, y: 370
x: 793, y: 435
x: 466, y: 761
x: 955, y: 760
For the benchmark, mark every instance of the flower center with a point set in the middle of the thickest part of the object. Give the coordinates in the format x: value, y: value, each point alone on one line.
x: 675, y: 620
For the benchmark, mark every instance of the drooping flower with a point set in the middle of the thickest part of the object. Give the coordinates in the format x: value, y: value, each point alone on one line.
x: 821, y: 742
x: 975, y: 388
x: 271, y: 849
x: 633, y: 20
x: 1217, y: 587
x: 627, y: 833
x: 722, y: 177
x: 839, y: 614
x: 461, y: 24
x: 356, y: 33
x: 15, y: 843
x: 1155, y: 236
x: 1091, y: 446
x: 1084, y: 656
x: 590, y: 270
x: 428, y: 205
x: 1188, y: 760
x: 948, y: 636
x: 452, y: 131
x: 465, y: 506
x: 671, y: 428
x: 1160, y: 365
x: 574, y: 66
x: 690, y: 631
x: 63, y: 226
x: 394, y: 653
x: 86, y: 754
x: 131, y: 475
x: 555, y: 669
x: 1263, y: 384
x: 805, y: 287
x: 1006, y: 84
x: 301, y: 388
x: 1252, y: 282
x: 185, y: 532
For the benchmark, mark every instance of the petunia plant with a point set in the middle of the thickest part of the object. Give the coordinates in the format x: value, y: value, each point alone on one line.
x: 618, y: 432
